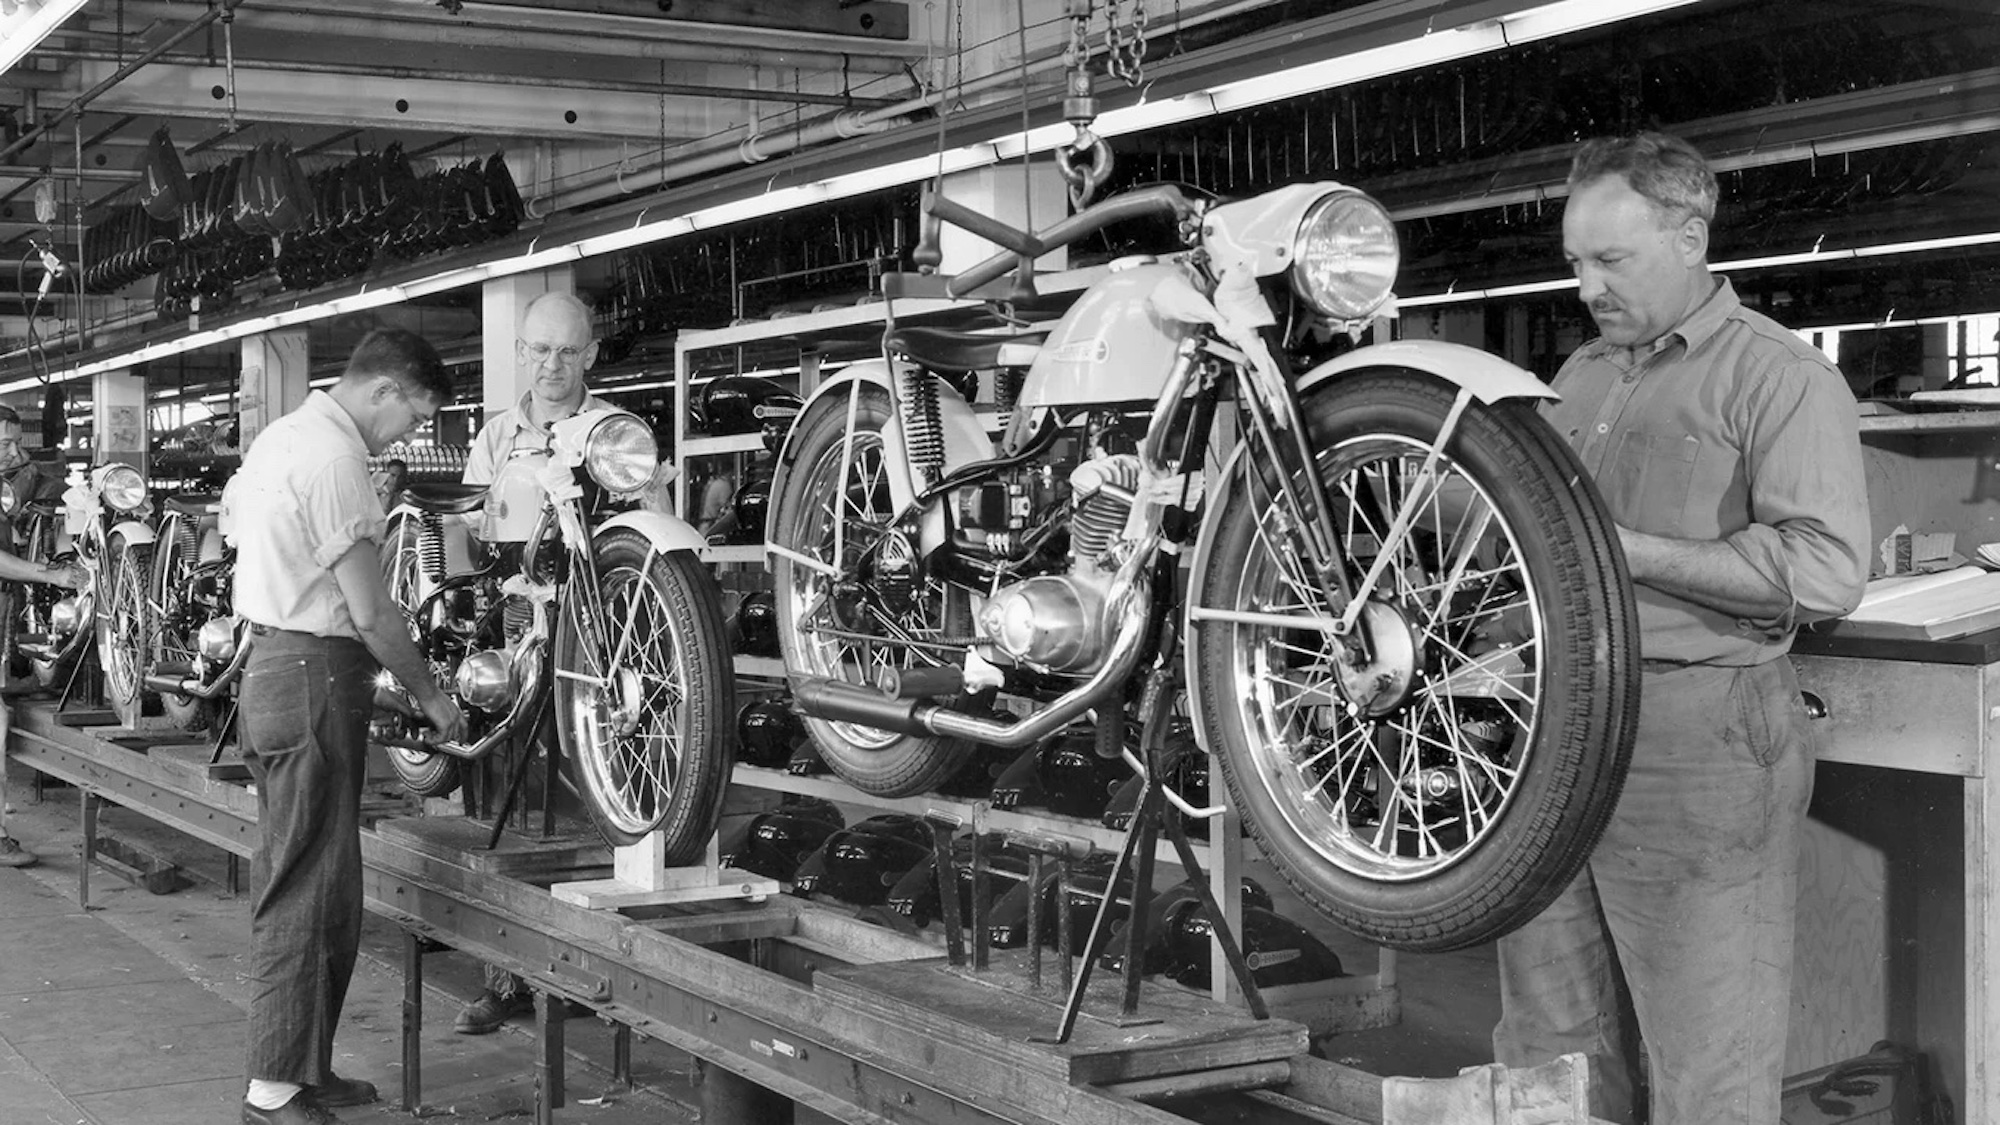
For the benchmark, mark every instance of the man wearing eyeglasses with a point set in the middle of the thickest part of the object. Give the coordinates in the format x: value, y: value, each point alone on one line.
x: 555, y: 347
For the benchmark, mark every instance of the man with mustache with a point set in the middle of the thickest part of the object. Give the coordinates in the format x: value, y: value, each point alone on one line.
x: 1729, y: 455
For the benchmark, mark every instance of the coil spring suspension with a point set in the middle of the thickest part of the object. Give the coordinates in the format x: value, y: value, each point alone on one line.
x: 187, y: 538
x: 923, y: 427
x: 1007, y: 383
x: 430, y: 545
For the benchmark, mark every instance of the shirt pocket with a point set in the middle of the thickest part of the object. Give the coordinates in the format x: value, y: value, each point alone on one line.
x: 1650, y: 479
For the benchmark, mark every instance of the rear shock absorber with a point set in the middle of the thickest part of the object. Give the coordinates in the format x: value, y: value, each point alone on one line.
x: 430, y: 545
x: 187, y: 538
x: 923, y: 426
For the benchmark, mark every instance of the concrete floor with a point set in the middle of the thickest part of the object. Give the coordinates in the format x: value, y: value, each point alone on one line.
x: 133, y: 1012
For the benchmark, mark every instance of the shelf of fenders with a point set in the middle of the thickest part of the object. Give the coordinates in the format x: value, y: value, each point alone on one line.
x: 640, y: 877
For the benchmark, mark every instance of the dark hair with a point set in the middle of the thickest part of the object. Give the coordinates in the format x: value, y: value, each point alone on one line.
x: 1668, y: 172
x: 9, y: 416
x: 405, y: 357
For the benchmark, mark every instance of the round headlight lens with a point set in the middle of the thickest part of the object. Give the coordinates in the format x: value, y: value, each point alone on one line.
x: 122, y: 488
x: 1345, y: 258
x: 10, y: 498
x: 621, y: 453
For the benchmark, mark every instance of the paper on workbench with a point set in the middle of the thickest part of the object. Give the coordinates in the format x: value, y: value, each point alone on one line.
x: 1929, y: 606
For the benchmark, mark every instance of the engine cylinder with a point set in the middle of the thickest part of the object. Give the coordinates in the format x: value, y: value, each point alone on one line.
x: 1100, y: 514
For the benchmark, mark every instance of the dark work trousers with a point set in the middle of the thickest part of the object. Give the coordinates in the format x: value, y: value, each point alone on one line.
x: 305, y: 705
x: 1687, y: 903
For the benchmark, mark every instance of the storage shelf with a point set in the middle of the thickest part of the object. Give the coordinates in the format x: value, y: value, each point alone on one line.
x: 1940, y: 422
x: 979, y: 816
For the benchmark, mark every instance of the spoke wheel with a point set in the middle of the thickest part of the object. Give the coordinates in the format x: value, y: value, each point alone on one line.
x: 172, y: 615
x: 1441, y: 791
x: 847, y: 626
x: 32, y: 600
x: 121, y: 626
x: 424, y: 774
x: 645, y: 694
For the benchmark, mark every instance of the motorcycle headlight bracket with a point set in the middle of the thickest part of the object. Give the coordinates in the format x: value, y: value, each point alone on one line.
x: 621, y: 453
x: 1345, y: 256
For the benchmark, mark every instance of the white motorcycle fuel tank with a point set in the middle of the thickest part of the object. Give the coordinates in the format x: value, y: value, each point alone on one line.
x: 514, y: 499
x: 1111, y: 346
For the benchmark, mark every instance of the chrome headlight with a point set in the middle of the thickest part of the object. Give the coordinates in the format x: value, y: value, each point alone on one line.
x: 121, y: 488
x: 621, y: 453
x: 10, y: 498
x: 1345, y: 257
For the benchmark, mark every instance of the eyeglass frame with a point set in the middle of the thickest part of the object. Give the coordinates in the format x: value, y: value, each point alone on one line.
x: 565, y: 355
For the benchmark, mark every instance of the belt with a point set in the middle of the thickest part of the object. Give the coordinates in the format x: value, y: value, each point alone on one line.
x: 260, y: 630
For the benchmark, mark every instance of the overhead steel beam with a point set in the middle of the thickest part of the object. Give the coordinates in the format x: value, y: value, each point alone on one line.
x: 443, y: 105
x: 1951, y: 106
x: 713, y: 44
x: 246, y: 62
x: 866, y: 19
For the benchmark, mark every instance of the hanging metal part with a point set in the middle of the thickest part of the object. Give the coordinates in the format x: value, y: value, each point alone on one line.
x: 229, y: 64
x: 1085, y: 162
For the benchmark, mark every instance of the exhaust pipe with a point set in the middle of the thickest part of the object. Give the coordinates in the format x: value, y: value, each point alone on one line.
x: 840, y: 701
x: 177, y: 677
x: 528, y: 665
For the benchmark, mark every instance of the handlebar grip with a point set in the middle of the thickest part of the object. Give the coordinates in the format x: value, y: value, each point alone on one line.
x: 985, y: 226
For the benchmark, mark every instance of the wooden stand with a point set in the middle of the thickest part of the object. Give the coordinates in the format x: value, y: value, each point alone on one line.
x: 640, y: 877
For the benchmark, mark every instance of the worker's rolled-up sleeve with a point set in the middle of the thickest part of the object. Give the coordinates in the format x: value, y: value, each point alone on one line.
x: 1809, y: 533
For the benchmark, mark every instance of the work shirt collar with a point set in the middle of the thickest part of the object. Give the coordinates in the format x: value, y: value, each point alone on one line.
x: 523, y: 417
x: 324, y: 405
x: 1691, y: 333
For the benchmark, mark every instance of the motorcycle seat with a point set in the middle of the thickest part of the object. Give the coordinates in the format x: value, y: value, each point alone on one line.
x: 194, y: 504
x: 950, y: 350
x: 446, y: 499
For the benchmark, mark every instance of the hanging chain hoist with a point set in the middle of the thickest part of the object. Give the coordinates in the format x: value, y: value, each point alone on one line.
x: 1085, y: 162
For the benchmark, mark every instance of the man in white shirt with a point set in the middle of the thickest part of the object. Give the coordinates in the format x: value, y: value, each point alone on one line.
x: 307, y: 527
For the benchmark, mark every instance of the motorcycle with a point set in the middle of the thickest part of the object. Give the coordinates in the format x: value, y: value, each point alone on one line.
x: 100, y: 523
x: 607, y: 615
x: 1397, y: 611
x: 196, y: 645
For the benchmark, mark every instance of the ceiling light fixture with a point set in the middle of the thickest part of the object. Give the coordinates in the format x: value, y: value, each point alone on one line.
x: 23, y: 27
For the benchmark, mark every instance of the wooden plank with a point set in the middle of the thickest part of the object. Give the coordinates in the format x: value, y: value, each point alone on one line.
x: 1013, y: 1091
x: 996, y: 1014
x: 463, y: 840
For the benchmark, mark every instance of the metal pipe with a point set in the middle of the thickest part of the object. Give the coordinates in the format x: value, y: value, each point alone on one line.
x: 684, y: 42
x: 28, y: 138
x: 558, y: 82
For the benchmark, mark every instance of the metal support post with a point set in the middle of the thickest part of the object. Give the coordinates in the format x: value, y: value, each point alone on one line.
x: 550, y: 1013
x: 88, y: 803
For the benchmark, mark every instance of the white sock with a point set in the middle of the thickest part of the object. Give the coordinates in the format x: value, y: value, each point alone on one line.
x: 271, y: 1095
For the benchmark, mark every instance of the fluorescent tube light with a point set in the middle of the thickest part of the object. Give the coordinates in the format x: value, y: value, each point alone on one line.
x: 29, y: 25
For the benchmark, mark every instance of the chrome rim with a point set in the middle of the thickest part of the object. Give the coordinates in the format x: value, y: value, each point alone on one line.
x: 127, y: 615
x: 835, y: 629
x: 626, y: 708
x: 1399, y: 768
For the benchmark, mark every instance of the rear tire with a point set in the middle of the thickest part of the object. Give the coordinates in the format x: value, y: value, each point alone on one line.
x: 423, y: 774
x: 819, y: 486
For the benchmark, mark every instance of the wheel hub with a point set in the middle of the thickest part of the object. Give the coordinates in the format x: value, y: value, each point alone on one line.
x: 1387, y: 680
x: 623, y: 694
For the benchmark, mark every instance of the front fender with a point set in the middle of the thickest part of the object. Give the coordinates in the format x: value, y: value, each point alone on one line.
x: 1204, y: 545
x: 664, y: 532
x: 132, y: 531
x: 1487, y: 376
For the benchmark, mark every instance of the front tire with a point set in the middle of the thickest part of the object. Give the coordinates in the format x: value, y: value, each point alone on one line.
x: 121, y: 627
x: 825, y: 623
x: 1444, y: 793
x: 170, y: 638
x: 645, y: 694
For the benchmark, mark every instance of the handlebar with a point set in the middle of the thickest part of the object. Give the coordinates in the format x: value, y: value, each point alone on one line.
x: 1023, y: 247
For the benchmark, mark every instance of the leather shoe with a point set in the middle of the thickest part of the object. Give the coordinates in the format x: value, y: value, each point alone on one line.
x: 301, y: 1110
x: 340, y: 1091
x: 12, y: 854
x: 485, y: 1015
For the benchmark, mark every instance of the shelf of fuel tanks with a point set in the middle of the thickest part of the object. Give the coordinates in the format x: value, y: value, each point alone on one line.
x: 1000, y: 795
